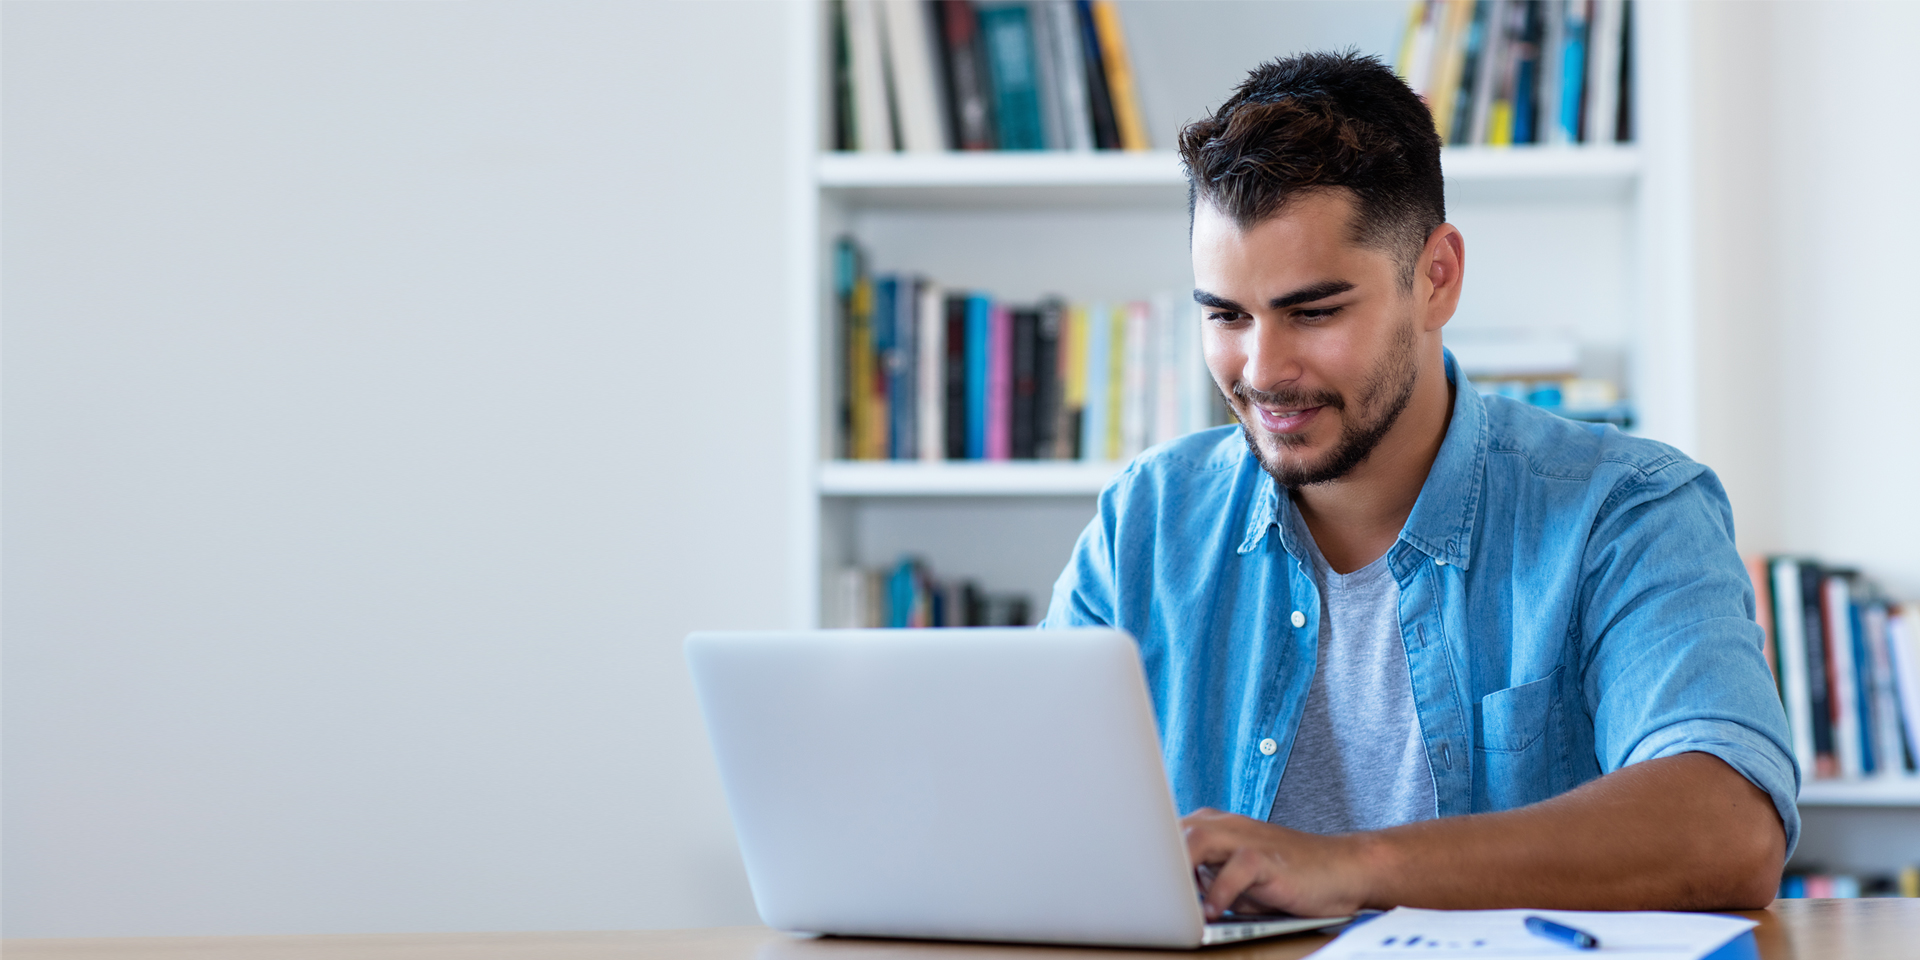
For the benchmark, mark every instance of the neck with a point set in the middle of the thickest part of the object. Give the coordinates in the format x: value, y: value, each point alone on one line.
x: 1357, y: 518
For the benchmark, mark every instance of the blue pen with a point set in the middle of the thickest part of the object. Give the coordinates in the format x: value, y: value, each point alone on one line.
x: 1579, y: 939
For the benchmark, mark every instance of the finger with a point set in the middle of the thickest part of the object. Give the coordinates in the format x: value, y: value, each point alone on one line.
x: 1215, y: 839
x: 1233, y: 879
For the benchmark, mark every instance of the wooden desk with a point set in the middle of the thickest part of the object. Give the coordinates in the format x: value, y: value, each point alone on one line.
x: 1789, y: 930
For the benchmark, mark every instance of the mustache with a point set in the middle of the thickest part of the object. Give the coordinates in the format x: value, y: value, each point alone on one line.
x: 1289, y: 399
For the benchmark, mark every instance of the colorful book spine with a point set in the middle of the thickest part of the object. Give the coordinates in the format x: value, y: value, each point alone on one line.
x: 999, y: 383
x: 1099, y: 366
x: 885, y: 360
x: 979, y: 328
x: 955, y: 413
x: 1573, y: 77
x: 903, y: 368
x: 1008, y: 39
x: 1106, y: 132
x: 1073, y: 382
x: 1026, y: 383
x: 1795, y: 678
x: 872, y: 112
x: 1836, y: 619
x: 969, y: 111
x: 930, y: 387
x: 1119, y: 69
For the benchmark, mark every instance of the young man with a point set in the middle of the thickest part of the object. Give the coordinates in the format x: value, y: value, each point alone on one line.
x: 1409, y: 645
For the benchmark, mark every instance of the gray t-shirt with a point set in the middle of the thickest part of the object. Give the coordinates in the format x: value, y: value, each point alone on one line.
x: 1358, y: 760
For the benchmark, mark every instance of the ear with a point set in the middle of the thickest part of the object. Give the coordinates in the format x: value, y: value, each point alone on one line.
x: 1443, y: 265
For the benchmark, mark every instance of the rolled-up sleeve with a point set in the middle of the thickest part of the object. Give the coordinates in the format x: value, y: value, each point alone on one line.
x: 1673, y: 657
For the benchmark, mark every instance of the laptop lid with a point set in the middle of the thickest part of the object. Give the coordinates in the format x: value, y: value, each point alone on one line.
x: 980, y: 784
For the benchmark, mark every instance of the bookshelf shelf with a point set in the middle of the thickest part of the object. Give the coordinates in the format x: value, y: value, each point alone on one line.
x: 1109, y: 178
x: 841, y: 478
x: 1901, y: 791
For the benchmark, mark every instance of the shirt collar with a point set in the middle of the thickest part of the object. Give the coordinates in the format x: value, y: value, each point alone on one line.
x: 1441, y: 524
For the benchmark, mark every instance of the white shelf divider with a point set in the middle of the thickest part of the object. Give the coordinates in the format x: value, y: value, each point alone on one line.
x: 964, y: 478
x: 991, y: 178
x: 1895, y: 791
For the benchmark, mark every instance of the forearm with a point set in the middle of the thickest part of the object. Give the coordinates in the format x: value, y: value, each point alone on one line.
x: 1681, y: 832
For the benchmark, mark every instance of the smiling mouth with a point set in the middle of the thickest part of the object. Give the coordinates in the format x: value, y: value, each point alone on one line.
x: 1285, y: 421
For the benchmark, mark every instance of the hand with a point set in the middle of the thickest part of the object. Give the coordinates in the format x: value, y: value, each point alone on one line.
x: 1254, y: 867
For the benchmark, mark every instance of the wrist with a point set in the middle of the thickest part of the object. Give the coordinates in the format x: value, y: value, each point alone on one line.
x: 1379, y: 869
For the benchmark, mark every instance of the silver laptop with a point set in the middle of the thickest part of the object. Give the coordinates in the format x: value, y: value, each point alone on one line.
x: 982, y: 784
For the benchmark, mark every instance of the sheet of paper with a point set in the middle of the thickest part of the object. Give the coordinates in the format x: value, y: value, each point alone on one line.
x: 1502, y: 934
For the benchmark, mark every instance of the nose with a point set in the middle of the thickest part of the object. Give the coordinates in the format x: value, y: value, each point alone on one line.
x: 1271, y: 360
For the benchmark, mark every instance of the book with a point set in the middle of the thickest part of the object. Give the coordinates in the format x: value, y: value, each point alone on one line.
x: 979, y: 325
x: 886, y: 362
x: 911, y: 65
x: 1524, y: 56
x: 846, y: 270
x: 1468, y: 119
x: 1843, y: 695
x: 872, y: 108
x: 1903, y: 651
x: 1623, y: 120
x: 1046, y: 72
x: 1819, y: 681
x: 1106, y: 132
x: 1025, y: 344
x: 1073, y: 382
x: 904, y: 395
x: 1070, y: 69
x: 999, y: 382
x: 1603, y: 71
x: 845, y: 137
x: 1415, y: 64
x: 930, y: 387
x: 969, y: 110
x: 1553, y: 55
x: 1050, y: 316
x: 1007, y: 37
x: 1795, y: 677
x: 1114, y: 58
x: 1573, y: 72
x: 1136, y: 383
x: 1099, y: 369
x: 1450, y: 53
x: 1885, y: 744
x: 955, y: 414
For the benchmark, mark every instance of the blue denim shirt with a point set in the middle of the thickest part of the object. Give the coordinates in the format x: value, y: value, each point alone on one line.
x: 1571, y: 602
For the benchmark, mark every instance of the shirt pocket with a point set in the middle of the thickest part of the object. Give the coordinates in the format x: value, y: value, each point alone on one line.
x: 1515, y: 765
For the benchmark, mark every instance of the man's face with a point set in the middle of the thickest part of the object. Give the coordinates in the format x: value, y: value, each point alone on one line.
x: 1307, y: 334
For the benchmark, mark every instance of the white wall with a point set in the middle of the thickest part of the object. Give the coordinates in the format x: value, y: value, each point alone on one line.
x: 1810, y: 327
x: 381, y: 408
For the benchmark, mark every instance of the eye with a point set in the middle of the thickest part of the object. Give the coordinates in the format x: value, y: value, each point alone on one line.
x: 1223, y: 316
x: 1317, y: 315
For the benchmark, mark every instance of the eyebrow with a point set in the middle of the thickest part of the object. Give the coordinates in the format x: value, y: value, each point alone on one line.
x: 1307, y: 294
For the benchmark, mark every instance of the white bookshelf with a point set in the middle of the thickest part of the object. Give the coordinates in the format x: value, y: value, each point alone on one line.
x: 1029, y: 478
x: 1596, y: 240
x: 1895, y: 791
x: 971, y: 179
x: 1110, y: 225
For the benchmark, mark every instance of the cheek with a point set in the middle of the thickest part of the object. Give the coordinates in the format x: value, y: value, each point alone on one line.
x: 1223, y: 354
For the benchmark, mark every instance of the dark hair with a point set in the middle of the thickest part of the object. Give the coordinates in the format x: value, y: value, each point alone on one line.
x: 1323, y: 120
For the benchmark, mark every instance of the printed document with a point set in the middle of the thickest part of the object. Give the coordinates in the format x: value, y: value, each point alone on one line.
x: 1502, y: 934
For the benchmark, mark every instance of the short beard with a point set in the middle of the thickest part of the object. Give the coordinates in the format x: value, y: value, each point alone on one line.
x: 1396, y: 373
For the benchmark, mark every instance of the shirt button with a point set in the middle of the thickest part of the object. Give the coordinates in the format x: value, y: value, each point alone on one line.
x: 1268, y: 747
x: 1299, y: 619
x: 1439, y: 562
